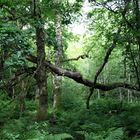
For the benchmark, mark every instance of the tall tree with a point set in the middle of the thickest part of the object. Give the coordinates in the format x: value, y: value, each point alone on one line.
x: 41, y: 77
x: 58, y: 62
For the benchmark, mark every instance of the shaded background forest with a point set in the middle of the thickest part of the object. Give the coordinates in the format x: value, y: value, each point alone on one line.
x: 69, y: 69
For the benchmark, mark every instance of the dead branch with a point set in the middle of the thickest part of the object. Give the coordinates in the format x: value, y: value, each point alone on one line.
x: 77, y: 58
x: 76, y: 76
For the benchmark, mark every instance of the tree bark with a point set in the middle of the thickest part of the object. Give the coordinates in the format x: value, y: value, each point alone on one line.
x: 76, y: 76
x: 41, y: 77
x: 41, y: 74
x: 58, y: 62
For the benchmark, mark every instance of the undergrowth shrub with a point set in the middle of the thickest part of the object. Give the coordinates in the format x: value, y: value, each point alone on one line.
x: 107, y: 119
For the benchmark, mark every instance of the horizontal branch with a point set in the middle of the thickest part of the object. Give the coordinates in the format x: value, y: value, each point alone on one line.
x: 76, y: 76
x: 77, y: 58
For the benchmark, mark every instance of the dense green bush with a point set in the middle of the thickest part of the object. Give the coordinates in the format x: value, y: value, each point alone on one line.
x: 107, y: 119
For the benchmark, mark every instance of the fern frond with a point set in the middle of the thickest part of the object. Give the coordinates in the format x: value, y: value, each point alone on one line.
x: 62, y: 136
x: 116, y: 134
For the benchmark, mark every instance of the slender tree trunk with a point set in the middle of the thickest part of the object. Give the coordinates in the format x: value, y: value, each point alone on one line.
x: 128, y: 96
x: 129, y: 92
x: 41, y: 74
x: 41, y: 77
x: 98, y: 92
x: 58, y: 62
x: 137, y: 18
x: 120, y: 96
